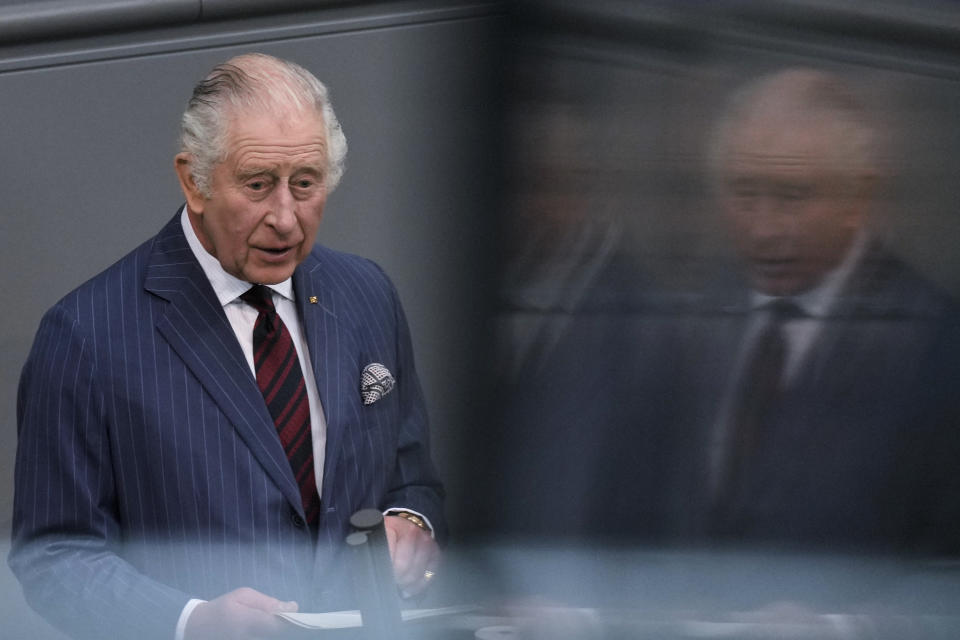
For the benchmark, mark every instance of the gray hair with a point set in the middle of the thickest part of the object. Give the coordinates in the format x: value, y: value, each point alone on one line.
x: 253, y: 81
x: 816, y: 98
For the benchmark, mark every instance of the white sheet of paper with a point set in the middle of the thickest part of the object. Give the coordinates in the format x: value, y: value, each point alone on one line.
x: 350, y: 619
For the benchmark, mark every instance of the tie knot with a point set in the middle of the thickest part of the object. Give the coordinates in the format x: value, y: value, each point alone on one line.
x: 260, y: 298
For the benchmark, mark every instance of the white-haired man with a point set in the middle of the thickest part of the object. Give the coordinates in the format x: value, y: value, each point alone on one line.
x: 198, y: 422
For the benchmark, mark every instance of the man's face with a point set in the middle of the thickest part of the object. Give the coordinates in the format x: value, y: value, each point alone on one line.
x: 267, y: 195
x: 792, y: 209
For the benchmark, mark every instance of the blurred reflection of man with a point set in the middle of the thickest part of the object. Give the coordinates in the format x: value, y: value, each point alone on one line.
x: 799, y: 406
x: 816, y: 440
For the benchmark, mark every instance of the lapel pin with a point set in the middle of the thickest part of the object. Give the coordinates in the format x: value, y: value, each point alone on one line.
x: 375, y: 382
x: 313, y: 299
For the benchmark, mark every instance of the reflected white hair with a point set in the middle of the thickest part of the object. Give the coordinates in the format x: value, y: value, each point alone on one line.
x: 813, y: 98
x: 253, y: 82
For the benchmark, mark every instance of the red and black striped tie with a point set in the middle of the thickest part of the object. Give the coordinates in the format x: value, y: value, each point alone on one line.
x: 281, y: 381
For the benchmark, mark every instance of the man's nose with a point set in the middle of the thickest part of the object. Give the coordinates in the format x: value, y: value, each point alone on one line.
x: 282, y: 216
x: 769, y: 220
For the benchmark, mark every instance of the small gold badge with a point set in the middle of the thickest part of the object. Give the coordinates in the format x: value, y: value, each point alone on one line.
x: 313, y: 299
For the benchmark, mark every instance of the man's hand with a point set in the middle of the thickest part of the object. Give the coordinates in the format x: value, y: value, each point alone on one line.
x: 413, y: 551
x: 238, y: 615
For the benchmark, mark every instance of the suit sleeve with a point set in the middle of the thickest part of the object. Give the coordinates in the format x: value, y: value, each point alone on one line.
x: 414, y: 483
x: 66, y: 534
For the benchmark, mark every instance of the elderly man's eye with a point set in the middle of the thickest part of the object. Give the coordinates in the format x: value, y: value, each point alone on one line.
x: 744, y: 198
x: 797, y: 193
x: 257, y: 185
x: 742, y: 189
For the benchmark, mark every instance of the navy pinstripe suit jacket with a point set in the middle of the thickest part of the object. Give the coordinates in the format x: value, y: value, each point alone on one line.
x: 149, y: 470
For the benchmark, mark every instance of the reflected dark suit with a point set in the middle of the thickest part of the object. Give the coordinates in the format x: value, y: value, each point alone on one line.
x: 614, y: 437
x: 149, y: 470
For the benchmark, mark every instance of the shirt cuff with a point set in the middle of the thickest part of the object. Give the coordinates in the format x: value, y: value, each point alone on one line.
x: 184, y: 616
x: 393, y: 510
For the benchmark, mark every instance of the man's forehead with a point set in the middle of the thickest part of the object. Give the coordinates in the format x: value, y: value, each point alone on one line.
x: 275, y: 120
x: 778, y: 146
x: 257, y: 135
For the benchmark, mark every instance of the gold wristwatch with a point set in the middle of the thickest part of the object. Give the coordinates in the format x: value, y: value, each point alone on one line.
x: 412, y: 517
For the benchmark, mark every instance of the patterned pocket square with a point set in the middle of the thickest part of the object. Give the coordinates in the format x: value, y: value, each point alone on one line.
x: 375, y: 382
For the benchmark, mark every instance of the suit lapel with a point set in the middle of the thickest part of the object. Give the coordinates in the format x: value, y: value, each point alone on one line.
x: 327, y: 337
x: 861, y: 319
x: 197, y: 329
x: 842, y: 358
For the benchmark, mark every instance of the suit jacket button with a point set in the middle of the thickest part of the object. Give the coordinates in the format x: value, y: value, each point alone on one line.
x: 297, y: 520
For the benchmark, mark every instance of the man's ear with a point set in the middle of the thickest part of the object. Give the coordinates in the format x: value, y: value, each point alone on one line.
x: 195, y: 199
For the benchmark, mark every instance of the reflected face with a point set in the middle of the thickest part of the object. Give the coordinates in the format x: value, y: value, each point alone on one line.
x: 267, y: 196
x: 792, y: 208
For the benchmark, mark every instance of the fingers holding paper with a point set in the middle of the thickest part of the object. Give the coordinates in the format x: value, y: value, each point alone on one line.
x: 239, y: 614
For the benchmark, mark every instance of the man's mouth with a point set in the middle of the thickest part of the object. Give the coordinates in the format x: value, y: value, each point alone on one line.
x: 775, y: 270
x: 774, y: 265
x: 275, y: 252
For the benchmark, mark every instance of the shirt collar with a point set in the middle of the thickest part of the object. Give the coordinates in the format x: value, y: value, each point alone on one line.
x: 818, y: 301
x: 227, y: 287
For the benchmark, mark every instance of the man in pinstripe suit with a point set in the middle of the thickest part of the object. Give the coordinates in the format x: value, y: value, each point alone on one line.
x: 154, y: 498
